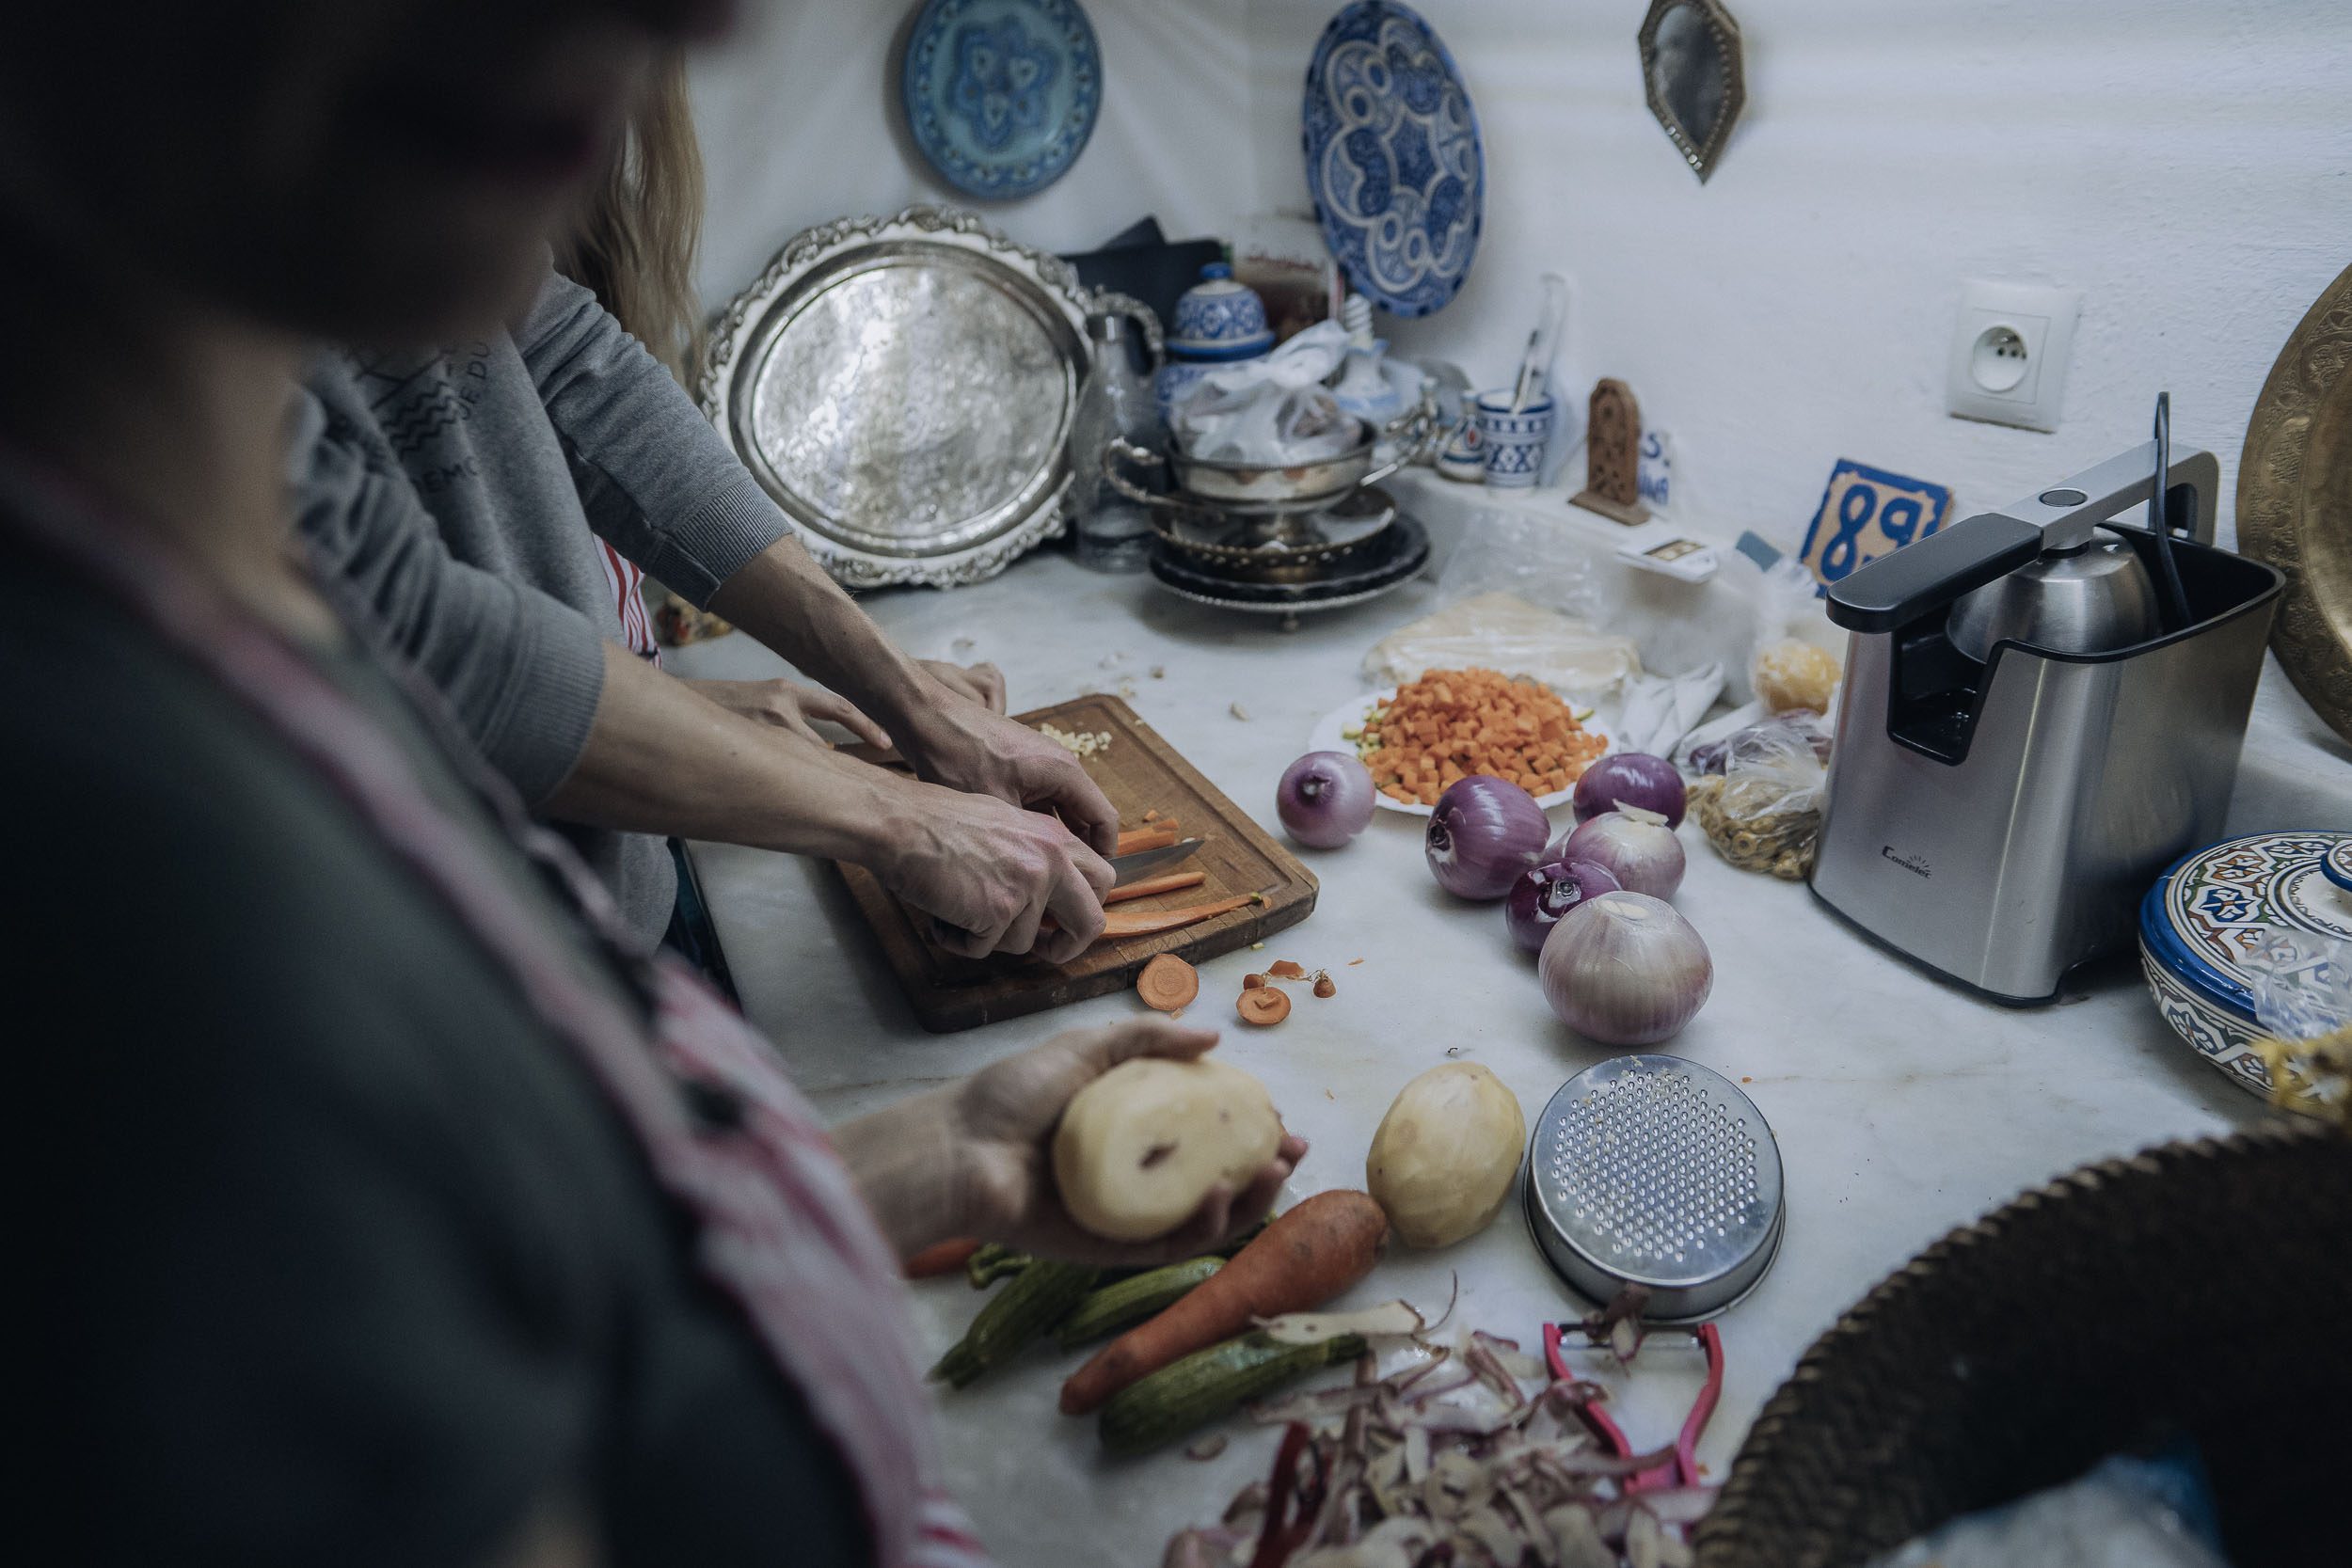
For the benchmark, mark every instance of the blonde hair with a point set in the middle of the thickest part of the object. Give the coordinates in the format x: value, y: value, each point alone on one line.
x: 635, y: 244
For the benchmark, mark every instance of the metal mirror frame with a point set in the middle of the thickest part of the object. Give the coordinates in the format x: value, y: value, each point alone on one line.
x: 1043, y: 283
x: 1701, y: 156
x: 2292, y: 483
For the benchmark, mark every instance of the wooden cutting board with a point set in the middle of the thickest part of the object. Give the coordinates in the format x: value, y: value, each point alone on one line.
x: 1140, y: 772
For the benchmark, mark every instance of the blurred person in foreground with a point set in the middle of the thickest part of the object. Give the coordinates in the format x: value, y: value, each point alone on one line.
x: 388, y: 1210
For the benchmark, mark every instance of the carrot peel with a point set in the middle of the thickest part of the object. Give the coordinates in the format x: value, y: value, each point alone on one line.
x: 1175, y: 881
x: 1146, y: 922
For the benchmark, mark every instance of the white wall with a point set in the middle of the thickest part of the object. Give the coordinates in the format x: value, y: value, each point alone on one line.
x: 2186, y: 163
x: 800, y: 125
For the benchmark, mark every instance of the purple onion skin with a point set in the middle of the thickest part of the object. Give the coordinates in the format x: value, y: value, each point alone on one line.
x: 1595, y: 840
x: 1630, y: 779
x: 1324, y: 799
x: 1626, y: 970
x: 1485, y: 832
x: 1545, y: 892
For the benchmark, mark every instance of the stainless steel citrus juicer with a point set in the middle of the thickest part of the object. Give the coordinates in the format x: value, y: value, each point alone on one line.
x: 2041, y: 707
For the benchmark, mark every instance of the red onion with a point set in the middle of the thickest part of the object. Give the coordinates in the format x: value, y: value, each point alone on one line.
x: 1486, y: 830
x: 1545, y: 892
x: 1324, y: 799
x: 1633, y: 846
x: 1630, y: 779
x: 1625, y: 969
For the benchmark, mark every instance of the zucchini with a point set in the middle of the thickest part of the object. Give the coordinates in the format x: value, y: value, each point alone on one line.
x: 1207, y: 1384
x: 1109, y: 1308
x: 992, y: 1262
x: 1040, y: 1298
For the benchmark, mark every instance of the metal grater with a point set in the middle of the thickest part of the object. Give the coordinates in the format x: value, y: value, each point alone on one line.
x: 1655, y: 1171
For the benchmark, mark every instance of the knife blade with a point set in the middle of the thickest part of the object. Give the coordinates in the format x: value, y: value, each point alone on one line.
x: 1127, y: 868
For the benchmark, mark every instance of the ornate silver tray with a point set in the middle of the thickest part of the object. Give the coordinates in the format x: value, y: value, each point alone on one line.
x: 904, y: 389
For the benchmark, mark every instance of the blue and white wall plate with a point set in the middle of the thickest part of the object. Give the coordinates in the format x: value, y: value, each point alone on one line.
x: 1001, y: 95
x: 2205, y: 920
x: 1393, y: 159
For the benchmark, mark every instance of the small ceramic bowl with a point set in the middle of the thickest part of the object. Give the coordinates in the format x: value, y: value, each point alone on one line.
x: 1514, y: 443
x: 1219, y: 319
x: 1461, y: 457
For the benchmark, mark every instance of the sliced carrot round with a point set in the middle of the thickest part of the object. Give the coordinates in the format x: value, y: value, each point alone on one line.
x: 1264, y: 1005
x: 1168, y: 983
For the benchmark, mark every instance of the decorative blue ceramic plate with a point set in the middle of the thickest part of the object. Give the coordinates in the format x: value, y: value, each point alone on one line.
x: 2338, y: 865
x: 1393, y: 158
x: 1002, y: 94
x: 2206, y: 918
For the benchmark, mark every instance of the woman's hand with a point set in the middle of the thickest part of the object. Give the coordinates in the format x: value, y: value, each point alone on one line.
x: 982, y: 682
x: 987, y: 872
x: 976, y: 1159
x: 793, y: 708
x: 965, y: 744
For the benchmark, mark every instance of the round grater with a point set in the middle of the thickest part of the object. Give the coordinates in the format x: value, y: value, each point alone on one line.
x: 1651, y: 1170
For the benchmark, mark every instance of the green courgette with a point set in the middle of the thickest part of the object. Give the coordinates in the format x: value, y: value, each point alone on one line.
x: 1192, y: 1392
x: 1109, y: 1309
x: 1035, y: 1302
x: 992, y: 1262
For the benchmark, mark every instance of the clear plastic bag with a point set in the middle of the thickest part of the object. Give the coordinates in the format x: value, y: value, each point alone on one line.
x: 1799, y: 656
x: 1516, y: 598
x: 1265, y: 422
x: 2302, y: 986
x: 2126, y: 1512
x: 1759, y: 798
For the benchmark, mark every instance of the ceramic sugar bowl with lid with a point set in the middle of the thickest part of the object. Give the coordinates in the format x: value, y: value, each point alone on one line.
x: 1219, y: 319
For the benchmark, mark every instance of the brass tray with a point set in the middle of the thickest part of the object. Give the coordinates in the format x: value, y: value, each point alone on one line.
x: 2295, y: 501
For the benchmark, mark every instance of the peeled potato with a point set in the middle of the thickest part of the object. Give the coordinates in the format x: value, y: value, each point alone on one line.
x: 1141, y: 1145
x: 1442, y: 1163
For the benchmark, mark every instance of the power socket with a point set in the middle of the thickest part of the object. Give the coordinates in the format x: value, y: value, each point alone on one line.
x: 2009, y: 347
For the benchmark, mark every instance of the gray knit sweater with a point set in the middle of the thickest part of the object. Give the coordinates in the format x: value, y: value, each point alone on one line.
x: 454, y: 491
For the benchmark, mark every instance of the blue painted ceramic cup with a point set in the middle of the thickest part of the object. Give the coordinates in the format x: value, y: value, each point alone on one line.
x: 1514, y: 443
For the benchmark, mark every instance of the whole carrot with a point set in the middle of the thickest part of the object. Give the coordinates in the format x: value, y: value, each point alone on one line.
x: 1299, y: 1261
x: 945, y: 1257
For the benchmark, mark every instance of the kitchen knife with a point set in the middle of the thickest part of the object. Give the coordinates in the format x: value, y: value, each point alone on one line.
x: 1143, y: 862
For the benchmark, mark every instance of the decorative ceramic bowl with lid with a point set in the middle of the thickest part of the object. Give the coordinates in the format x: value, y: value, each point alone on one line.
x: 2206, y: 920
x: 1219, y: 319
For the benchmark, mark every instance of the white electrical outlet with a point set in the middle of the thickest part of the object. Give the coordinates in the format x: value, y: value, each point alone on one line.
x: 2009, y: 346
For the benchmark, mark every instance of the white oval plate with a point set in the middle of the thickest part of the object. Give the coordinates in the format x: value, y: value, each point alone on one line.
x: 1329, y: 736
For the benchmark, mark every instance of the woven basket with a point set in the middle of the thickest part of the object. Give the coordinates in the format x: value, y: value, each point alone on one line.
x: 2203, y: 1286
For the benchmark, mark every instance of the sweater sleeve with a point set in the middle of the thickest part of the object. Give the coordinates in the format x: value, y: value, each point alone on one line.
x: 657, y: 482
x: 522, y: 670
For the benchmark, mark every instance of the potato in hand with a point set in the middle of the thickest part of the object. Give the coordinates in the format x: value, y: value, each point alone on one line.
x: 1141, y: 1145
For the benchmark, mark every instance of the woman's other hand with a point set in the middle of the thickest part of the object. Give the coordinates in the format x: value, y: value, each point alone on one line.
x: 791, y: 707
x: 981, y: 683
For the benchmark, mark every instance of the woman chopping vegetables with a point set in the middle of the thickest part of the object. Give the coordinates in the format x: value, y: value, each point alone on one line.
x: 393, y: 1213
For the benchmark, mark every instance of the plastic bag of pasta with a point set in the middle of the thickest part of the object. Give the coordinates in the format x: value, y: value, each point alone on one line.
x: 1763, y: 811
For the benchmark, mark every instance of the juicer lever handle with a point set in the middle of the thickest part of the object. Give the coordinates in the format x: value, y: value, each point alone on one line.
x: 1928, y: 574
